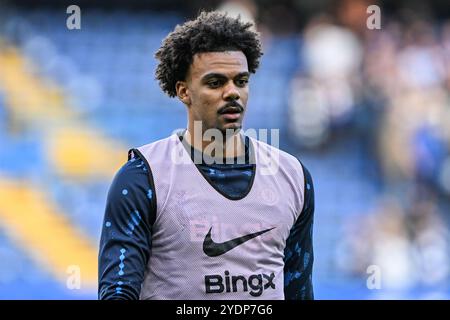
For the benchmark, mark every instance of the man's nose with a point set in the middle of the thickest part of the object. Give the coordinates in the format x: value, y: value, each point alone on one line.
x: 231, y: 92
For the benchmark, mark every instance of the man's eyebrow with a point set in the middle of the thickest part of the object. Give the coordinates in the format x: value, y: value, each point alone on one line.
x: 243, y: 74
x: 213, y: 75
x: 222, y: 76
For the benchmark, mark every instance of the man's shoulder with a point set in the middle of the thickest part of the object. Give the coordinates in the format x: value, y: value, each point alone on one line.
x: 135, y: 166
x: 284, y: 156
x: 154, y: 152
x: 129, y: 180
x: 289, y: 163
x: 157, y: 143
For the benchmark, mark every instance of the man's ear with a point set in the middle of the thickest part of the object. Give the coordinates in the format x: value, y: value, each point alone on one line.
x: 183, y: 92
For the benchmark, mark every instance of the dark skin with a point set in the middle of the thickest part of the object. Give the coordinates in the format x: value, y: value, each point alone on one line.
x: 215, y: 92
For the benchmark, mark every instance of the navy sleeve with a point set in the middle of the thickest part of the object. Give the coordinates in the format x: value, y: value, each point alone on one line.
x: 125, y: 242
x: 298, y: 254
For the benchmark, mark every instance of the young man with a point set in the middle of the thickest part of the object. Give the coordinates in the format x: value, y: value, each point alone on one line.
x: 192, y: 217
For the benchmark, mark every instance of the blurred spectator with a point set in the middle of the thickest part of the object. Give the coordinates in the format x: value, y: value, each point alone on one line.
x: 409, y: 246
x: 333, y: 56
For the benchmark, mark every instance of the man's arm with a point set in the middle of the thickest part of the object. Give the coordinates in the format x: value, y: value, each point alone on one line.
x: 298, y: 254
x: 125, y: 241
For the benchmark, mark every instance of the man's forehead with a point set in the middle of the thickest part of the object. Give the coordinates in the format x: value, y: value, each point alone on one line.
x: 206, y: 62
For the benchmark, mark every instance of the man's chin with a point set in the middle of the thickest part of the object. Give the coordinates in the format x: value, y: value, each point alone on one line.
x: 231, y: 128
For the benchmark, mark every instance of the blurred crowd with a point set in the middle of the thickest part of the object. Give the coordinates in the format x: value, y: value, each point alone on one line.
x: 391, y: 87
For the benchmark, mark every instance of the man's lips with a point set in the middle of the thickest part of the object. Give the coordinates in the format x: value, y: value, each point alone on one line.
x: 231, y: 113
x: 231, y: 116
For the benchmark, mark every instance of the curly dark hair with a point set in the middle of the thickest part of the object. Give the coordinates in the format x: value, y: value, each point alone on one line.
x: 209, y: 32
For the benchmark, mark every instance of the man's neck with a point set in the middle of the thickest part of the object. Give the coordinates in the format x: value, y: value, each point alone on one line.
x: 220, y: 147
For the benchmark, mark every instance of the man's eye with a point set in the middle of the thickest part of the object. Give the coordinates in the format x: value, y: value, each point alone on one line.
x: 214, y: 83
x: 242, y: 82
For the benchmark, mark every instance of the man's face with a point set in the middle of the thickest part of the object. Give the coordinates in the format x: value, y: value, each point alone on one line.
x: 216, y: 89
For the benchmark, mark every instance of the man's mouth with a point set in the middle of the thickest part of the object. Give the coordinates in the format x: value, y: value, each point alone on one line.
x: 231, y: 113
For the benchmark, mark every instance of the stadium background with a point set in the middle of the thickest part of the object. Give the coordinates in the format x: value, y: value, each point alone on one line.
x: 367, y: 111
